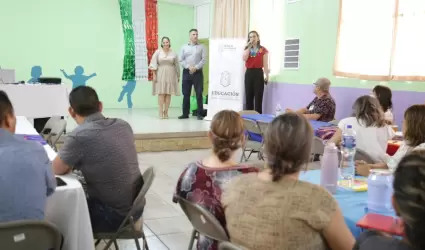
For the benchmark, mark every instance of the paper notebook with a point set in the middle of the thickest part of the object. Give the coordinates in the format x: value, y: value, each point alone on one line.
x: 359, y: 185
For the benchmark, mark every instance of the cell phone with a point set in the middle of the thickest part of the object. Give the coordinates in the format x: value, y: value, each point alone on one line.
x: 60, y: 182
x: 265, y: 81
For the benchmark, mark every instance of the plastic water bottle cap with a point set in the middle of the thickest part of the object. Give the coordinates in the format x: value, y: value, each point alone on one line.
x: 349, y: 126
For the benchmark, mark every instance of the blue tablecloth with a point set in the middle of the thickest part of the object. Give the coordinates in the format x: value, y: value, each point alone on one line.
x: 268, y: 118
x: 352, y: 203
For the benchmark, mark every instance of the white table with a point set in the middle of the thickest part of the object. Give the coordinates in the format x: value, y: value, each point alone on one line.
x: 37, y: 100
x: 67, y: 207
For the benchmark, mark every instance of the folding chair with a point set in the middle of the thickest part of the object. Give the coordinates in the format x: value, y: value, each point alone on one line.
x: 34, y: 235
x: 263, y: 128
x: 363, y: 156
x: 203, y: 222
x: 58, y: 128
x: 334, y: 122
x: 45, y: 133
x: 317, y: 147
x: 129, y: 229
x: 248, y: 112
x: 251, y: 145
x: 228, y: 246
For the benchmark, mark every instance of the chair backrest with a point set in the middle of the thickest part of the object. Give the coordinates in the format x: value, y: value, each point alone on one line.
x: 334, y: 122
x: 363, y: 156
x: 251, y: 126
x: 58, y: 129
x: 263, y: 126
x: 203, y: 221
x: 359, y: 156
x: 45, y: 132
x: 248, y: 112
x: 140, y: 201
x: 228, y: 246
x: 34, y: 235
x: 317, y: 146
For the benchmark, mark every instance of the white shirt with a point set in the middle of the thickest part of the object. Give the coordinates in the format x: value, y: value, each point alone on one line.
x: 388, y: 116
x: 393, y: 161
x: 372, y: 140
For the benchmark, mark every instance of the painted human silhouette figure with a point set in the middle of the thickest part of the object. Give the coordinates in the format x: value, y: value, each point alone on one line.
x: 36, y: 73
x: 128, y: 89
x: 79, y: 79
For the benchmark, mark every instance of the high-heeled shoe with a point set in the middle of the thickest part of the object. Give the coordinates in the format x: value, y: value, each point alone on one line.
x: 161, y: 115
x: 165, y: 115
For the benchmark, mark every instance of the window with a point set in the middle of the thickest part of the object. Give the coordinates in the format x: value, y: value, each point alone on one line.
x: 267, y: 20
x: 377, y: 40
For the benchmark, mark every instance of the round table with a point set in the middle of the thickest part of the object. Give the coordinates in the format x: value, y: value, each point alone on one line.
x: 352, y: 204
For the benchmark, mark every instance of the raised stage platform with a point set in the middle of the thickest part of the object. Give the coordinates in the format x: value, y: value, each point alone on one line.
x: 153, y: 134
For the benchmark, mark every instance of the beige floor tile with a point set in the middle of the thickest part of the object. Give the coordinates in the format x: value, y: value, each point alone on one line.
x: 178, y: 224
x: 160, y: 211
x: 153, y: 242
x: 177, y: 241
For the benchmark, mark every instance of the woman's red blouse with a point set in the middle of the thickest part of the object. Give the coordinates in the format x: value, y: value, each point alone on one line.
x: 254, y: 62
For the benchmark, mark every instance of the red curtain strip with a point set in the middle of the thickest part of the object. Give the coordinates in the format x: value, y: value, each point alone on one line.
x: 151, y: 12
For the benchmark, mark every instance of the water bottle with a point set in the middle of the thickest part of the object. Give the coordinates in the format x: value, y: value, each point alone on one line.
x: 329, y: 168
x: 380, y: 192
x: 278, y: 110
x: 348, y: 151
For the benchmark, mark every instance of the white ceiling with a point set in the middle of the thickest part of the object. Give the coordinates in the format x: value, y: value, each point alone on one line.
x: 189, y: 2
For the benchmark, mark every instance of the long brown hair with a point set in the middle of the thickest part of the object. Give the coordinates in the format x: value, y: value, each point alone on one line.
x: 288, y: 144
x: 414, y: 132
x: 368, y: 112
x: 227, y: 132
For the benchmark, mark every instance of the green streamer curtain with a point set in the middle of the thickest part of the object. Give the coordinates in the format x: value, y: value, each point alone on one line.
x: 129, y: 64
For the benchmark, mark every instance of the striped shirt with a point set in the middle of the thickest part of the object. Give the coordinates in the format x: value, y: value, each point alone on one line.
x: 103, y: 150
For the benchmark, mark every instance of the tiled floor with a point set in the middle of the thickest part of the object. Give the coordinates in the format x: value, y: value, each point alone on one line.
x: 146, y: 121
x: 166, y: 226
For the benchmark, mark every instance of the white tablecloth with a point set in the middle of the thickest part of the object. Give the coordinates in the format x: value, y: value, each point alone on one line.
x: 67, y: 207
x: 37, y: 101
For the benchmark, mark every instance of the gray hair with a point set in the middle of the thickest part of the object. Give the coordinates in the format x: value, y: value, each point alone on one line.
x: 368, y: 111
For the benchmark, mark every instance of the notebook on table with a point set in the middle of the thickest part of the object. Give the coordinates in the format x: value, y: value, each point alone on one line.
x: 381, y: 223
x: 358, y: 185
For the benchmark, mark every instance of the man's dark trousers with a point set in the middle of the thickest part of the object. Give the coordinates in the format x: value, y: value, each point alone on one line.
x: 197, y: 81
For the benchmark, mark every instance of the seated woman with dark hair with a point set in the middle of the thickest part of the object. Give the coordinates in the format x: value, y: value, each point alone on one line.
x: 274, y: 210
x: 409, y: 204
x: 384, y: 96
x: 201, y: 182
x: 414, y: 138
x: 372, y: 131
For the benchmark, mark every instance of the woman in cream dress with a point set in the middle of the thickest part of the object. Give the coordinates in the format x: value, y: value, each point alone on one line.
x: 166, y: 76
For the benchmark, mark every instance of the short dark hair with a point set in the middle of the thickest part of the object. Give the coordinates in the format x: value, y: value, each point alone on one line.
x: 84, y: 101
x: 191, y: 30
x: 6, y: 107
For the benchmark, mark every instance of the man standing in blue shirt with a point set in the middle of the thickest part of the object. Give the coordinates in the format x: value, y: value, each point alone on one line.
x: 192, y: 58
x: 26, y: 175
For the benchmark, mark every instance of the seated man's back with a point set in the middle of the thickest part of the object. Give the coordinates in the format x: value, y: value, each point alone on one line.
x: 26, y: 176
x: 103, y: 150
